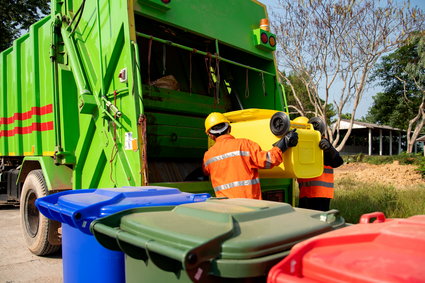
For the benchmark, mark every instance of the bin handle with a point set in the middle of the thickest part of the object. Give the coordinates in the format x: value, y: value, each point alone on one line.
x: 197, y: 261
x: 378, y: 216
x: 329, y: 216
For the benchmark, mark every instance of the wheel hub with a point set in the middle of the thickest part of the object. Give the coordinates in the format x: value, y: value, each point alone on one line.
x: 32, y: 214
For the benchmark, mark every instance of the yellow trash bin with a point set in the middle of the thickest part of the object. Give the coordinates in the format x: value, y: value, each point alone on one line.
x: 302, y: 161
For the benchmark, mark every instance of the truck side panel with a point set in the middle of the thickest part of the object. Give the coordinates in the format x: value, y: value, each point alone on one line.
x: 27, y: 113
x: 103, y: 141
x: 44, y: 104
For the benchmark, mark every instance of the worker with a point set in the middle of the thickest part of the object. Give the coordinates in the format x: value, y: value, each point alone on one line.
x: 316, y: 193
x: 233, y: 163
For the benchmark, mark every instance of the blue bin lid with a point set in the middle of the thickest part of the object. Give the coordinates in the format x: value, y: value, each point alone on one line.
x: 79, y: 208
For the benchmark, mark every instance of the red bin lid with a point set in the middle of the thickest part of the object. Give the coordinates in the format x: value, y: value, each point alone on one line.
x: 392, y: 250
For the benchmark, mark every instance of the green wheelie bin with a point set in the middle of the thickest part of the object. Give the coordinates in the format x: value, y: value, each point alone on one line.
x: 220, y: 240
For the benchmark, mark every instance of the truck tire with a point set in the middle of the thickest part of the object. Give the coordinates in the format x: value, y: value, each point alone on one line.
x: 36, y: 227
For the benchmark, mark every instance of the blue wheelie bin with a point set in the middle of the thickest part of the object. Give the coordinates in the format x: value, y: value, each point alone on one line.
x: 84, y: 259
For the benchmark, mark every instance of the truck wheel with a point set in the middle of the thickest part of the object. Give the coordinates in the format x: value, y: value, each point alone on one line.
x: 36, y: 227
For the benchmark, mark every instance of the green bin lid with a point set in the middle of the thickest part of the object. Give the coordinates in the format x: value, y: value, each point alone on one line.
x: 215, y: 235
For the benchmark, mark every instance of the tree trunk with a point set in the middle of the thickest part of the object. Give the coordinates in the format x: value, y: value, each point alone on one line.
x: 412, y: 137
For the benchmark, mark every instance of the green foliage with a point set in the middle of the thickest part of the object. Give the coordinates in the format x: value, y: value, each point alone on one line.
x: 346, y: 116
x: 421, y: 167
x: 415, y: 69
x: 353, y: 158
x: 353, y: 199
x: 399, y: 74
x: 403, y: 158
x: 18, y: 15
x: 365, y: 119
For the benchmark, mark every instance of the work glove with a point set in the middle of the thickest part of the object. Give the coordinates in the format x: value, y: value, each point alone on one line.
x: 289, y: 140
x: 331, y: 156
x: 325, y: 145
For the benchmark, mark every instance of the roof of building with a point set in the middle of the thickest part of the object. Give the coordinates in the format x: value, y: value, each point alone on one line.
x: 363, y: 125
x: 344, y: 124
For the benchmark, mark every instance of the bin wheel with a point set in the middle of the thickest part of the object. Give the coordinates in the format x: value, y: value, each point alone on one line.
x: 279, y: 124
x: 36, y: 227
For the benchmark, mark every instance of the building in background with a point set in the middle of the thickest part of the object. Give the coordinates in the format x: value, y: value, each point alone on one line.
x: 373, y: 139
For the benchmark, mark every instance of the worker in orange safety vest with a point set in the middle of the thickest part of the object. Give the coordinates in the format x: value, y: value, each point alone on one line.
x: 233, y: 163
x: 316, y: 193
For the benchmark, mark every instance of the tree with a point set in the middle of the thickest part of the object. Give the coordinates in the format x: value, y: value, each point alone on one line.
x: 307, y: 108
x: 332, y: 45
x: 18, y: 15
x: 346, y: 116
x: 401, y: 104
x: 398, y: 101
x: 416, y: 72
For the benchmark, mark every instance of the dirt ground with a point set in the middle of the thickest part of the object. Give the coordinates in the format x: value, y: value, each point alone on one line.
x: 399, y: 176
x: 17, y: 263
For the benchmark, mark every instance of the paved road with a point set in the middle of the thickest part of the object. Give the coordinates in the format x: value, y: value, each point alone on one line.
x: 17, y: 263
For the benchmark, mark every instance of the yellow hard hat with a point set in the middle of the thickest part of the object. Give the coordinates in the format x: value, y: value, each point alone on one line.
x: 213, y: 119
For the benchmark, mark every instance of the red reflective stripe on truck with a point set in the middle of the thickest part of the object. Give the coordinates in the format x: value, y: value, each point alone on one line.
x: 43, y: 110
x: 40, y: 127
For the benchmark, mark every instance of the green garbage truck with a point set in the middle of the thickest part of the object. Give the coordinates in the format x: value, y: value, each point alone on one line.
x: 113, y: 93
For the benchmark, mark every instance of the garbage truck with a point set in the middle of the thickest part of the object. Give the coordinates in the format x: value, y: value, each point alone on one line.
x: 108, y: 94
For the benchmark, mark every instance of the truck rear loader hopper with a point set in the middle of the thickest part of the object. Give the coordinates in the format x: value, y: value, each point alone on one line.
x: 103, y: 94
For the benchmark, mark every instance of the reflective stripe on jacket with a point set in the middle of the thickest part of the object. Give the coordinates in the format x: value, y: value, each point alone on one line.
x: 233, y: 165
x: 319, y: 187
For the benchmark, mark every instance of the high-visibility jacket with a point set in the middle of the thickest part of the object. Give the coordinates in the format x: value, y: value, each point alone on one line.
x: 233, y: 166
x: 319, y: 187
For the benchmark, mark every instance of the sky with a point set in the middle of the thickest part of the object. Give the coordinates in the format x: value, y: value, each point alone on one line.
x: 367, y: 99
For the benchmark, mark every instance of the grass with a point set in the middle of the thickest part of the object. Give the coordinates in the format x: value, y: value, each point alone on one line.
x: 353, y: 198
